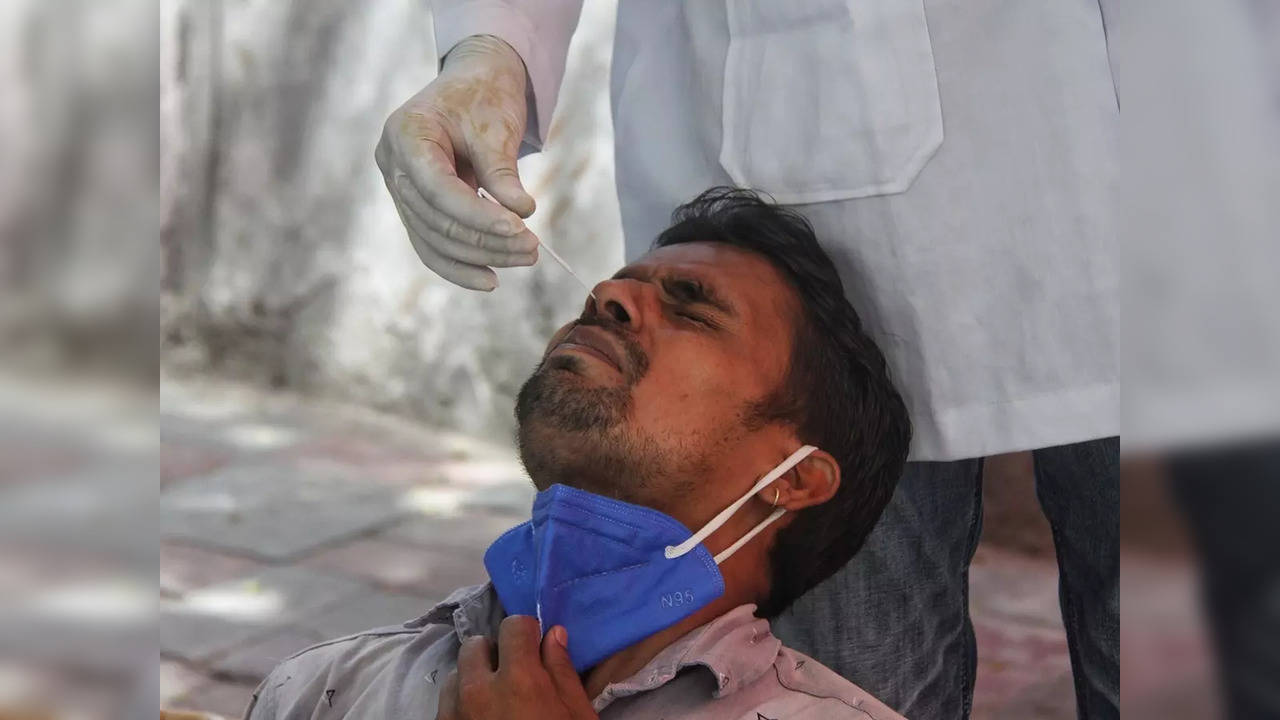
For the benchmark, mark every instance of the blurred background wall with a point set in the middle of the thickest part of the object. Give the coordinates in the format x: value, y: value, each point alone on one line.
x: 284, y: 261
x: 79, y: 265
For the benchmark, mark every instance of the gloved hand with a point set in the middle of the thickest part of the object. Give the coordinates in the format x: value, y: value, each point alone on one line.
x: 458, y: 134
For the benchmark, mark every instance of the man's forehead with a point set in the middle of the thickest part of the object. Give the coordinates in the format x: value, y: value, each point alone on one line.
x: 728, y: 267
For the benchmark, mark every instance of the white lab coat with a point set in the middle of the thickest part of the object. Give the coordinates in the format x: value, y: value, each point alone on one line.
x: 957, y: 160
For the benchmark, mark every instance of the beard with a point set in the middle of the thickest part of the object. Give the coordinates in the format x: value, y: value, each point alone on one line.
x: 577, y: 434
x: 556, y: 396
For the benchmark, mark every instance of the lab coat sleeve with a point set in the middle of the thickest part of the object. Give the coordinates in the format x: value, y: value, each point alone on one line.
x: 539, y: 30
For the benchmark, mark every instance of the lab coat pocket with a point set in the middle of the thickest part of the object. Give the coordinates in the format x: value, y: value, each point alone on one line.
x: 828, y: 99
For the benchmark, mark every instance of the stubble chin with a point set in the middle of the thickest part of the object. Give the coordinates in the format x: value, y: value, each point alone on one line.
x: 577, y: 434
x: 563, y: 423
x: 557, y: 397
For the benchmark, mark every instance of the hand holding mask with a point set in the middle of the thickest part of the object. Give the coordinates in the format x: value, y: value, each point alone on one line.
x: 531, y: 680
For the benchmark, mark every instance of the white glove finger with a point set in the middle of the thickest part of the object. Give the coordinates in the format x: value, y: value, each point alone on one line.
x: 496, y: 172
x: 472, y: 277
x: 445, y: 225
x: 466, y: 252
x: 433, y: 174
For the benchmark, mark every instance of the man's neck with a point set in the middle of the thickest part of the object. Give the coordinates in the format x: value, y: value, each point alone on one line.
x: 628, y: 661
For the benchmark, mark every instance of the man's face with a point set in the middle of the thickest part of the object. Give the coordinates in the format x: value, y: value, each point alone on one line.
x: 653, y: 387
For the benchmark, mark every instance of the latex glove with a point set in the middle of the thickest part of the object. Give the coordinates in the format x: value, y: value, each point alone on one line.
x: 458, y: 134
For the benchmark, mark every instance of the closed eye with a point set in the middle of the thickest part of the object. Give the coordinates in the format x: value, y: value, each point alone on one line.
x: 692, y: 317
x: 684, y: 291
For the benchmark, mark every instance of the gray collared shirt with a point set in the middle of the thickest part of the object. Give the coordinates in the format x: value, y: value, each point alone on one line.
x: 731, y: 667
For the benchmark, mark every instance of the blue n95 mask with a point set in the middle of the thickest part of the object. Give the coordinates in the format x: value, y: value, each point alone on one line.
x: 611, y: 572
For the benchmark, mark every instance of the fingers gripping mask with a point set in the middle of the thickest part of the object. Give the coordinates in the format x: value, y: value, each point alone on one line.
x: 611, y: 572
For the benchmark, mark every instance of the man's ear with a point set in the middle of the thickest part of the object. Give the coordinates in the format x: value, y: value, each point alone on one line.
x: 814, y: 481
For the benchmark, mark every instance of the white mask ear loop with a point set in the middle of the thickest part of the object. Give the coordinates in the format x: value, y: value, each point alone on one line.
x: 675, y: 551
x: 724, y: 554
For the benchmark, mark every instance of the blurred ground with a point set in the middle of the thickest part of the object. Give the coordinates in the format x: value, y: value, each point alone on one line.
x: 77, y: 546
x: 288, y: 521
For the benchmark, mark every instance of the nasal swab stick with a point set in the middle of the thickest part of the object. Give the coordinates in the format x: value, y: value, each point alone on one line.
x: 565, y: 265
x: 485, y: 194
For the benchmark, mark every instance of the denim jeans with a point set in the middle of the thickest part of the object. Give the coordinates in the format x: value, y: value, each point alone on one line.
x: 895, y: 620
x: 1229, y: 497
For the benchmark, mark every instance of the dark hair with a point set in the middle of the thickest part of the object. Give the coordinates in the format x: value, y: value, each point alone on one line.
x: 837, y: 393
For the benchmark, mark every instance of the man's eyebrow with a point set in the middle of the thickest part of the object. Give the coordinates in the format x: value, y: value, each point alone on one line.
x: 705, y: 293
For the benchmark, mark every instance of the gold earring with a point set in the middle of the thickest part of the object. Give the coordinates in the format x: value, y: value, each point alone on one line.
x: 776, y: 494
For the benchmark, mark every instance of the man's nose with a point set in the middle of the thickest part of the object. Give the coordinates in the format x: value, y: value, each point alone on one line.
x: 622, y: 301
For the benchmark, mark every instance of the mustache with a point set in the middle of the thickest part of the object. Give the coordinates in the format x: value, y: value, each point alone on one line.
x: 637, y: 361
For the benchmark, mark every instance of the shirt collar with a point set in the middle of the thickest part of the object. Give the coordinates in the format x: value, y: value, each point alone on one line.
x: 472, y: 610
x: 736, y: 648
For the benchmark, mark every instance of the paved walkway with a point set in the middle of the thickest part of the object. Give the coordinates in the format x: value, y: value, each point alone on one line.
x: 287, y: 521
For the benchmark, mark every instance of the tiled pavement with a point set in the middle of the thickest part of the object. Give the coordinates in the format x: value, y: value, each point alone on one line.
x: 288, y: 521
x: 285, y: 522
